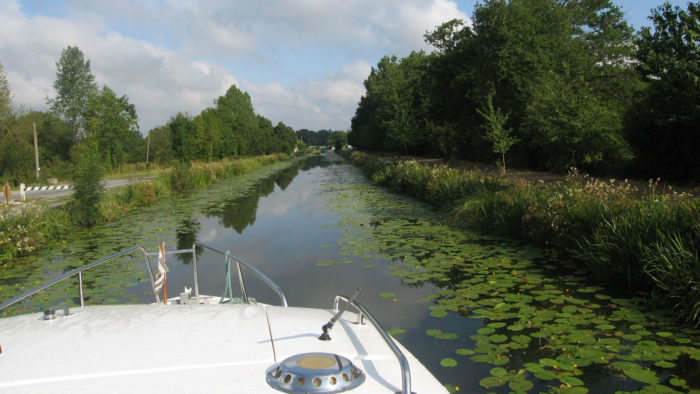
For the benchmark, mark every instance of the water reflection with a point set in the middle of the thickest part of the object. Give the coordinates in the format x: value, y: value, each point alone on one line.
x: 186, y: 235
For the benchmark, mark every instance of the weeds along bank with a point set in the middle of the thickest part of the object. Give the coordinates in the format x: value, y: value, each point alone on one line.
x: 27, y: 228
x: 640, y: 241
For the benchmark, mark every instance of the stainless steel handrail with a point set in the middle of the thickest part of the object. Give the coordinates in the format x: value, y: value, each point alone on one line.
x: 405, y: 370
x: 254, y: 270
x: 67, y: 275
x: 80, y: 270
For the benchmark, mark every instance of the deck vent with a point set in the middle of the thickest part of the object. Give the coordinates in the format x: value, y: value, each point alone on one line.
x: 315, y: 373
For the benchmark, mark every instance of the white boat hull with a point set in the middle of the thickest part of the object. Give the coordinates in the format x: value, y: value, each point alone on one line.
x: 187, y: 348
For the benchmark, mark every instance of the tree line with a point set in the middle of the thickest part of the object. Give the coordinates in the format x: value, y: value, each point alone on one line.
x: 554, y: 84
x: 82, y: 114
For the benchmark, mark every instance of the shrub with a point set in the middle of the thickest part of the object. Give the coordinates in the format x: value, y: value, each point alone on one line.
x: 87, y: 185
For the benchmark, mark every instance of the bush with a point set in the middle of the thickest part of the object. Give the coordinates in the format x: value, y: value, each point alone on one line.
x: 87, y: 185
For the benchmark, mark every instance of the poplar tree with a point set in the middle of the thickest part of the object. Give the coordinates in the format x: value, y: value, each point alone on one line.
x: 74, y: 85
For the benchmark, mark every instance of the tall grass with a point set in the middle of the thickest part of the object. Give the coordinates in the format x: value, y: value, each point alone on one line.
x: 640, y: 241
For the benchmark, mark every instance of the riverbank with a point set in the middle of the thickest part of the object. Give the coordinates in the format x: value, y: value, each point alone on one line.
x: 25, y: 229
x: 641, y: 240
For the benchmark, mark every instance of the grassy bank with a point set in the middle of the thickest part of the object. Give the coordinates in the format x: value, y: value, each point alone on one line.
x: 27, y: 228
x: 647, y: 241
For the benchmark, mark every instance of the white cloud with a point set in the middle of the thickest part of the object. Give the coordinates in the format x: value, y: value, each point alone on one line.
x: 177, y: 55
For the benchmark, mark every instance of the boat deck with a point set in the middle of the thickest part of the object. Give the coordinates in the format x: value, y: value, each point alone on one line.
x: 186, y: 348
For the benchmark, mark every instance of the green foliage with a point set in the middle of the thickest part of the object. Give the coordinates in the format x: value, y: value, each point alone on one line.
x: 87, y: 185
x: 74, y: 85
x: 6, y: 110
x: 161, y: 145
x: 496, y: 133
x: 180, y: 179
x: 112, y: 122
x: 559, y: 69
x: 664, y: 125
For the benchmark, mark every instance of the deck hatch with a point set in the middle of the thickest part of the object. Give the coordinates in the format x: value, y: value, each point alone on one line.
x: 315, y: 373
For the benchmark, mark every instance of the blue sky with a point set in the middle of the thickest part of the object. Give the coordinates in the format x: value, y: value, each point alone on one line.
x: 302, y: 61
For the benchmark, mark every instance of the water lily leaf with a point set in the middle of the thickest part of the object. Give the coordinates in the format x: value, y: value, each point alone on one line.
x: 678, y: 382
x: 516, y: 327
x: 665, y: 364
x: 496, y: 325
x: 448, y: 362
x: 546, y: 375
x: 498, y: 338
x: 533, y: 368
x: 521, y: 386
x: 387, y: 294
x: 498, y: 371
x: 548, y: 362
x: 569, y: 309
x: 491, y: 382
x: 446, y: 336
x: 396, y: 331
x: 433, y: 332
x: 570, y: 380
x: 642, y: 375
x: 522, y: 339
x: 664, y: 334
x: 465, y: 352
x: 485, y: 331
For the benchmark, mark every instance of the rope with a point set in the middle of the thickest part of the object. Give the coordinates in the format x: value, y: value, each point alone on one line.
x: 228, y: 289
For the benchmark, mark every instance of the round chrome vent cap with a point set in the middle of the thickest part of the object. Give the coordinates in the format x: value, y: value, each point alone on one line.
x: 315, y: 373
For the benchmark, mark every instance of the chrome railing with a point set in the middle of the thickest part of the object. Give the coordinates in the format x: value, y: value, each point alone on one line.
x: 79, y: 271
x: 364, y: 313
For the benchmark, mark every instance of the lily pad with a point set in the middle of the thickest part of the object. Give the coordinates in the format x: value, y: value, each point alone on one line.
x: 387, y: 294
x: 492, y: 382
x: 448, y: 362
x: 396, y: 331
x: 521, y: 386
x: 572, y: 381
x: 642, y: 375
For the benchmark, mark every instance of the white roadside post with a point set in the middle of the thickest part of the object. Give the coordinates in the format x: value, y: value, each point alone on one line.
x: 22, y: 196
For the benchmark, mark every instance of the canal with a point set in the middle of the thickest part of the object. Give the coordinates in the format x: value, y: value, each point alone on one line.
x: 483, y: 314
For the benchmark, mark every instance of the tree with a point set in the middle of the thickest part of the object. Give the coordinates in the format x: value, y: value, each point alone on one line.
x: 111, y: 121
x: 183, y: 137
x: 5, y: 97
x: 161, y: 144
x: 286, y: 137
x: 74, y: 85
x: 496, y: 133
x: 664, y: 126
x: 87, y: 184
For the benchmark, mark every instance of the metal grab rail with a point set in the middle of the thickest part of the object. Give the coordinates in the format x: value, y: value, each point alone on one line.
x: 252, y: 269
x: 79, y: 272
x: 364, y: 313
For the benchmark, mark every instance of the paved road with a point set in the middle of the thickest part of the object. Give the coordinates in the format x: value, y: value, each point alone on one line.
x: 57, y: 194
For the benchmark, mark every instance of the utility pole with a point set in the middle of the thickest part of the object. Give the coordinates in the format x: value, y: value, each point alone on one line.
x: 36, y: 153
x: 148, y: 146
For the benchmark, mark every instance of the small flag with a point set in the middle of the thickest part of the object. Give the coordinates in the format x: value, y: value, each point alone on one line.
x: 160, y: 282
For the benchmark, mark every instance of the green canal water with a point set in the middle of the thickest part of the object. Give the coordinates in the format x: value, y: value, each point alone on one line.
x: 483, y: 314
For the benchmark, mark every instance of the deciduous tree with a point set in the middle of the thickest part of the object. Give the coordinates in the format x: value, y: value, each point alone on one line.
x: 74, y: 86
